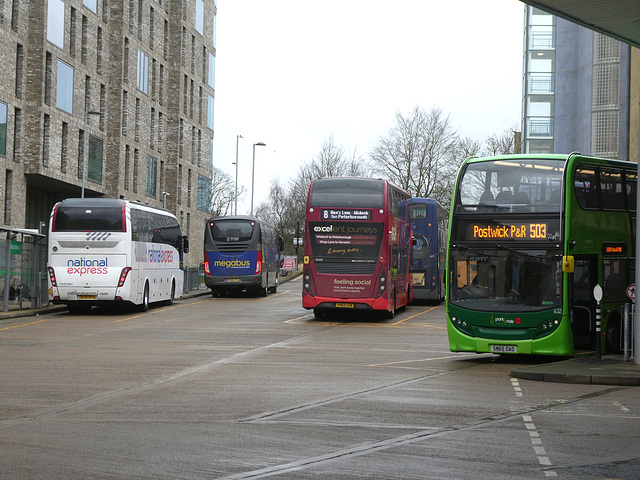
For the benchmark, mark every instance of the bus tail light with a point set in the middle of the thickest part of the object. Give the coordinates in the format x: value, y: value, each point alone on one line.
x: 206, y: 268
x: 258, y: 263
x: 52, y: 277
x: 382, y: 284
x: 307, y: 283
x: 123, y: 276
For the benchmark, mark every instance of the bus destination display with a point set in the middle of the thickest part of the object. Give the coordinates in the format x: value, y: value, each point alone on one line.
x: 510, y: 230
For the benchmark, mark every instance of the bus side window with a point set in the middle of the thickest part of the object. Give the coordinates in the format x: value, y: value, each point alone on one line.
x: 611, y: 189
x: 586, y: 188
x: 631, y: 182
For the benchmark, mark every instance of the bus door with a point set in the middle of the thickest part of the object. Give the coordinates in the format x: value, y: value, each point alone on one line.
x: 583, y: 317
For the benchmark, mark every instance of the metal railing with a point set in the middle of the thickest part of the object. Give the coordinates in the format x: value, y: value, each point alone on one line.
x: 193, y: 278
x: 627, y: 331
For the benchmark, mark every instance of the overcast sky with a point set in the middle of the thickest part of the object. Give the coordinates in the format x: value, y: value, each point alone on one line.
x: 292, y: 73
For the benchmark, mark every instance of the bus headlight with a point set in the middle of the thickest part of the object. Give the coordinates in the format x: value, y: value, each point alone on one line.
x: 547, y: 327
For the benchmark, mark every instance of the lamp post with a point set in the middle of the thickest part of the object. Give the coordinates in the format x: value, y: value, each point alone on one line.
x: 238, y: 137
x: 253, y: 169
x: 84, y: 147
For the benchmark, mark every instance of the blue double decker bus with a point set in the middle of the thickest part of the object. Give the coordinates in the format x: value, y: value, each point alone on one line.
x: 241, y: 253
x: 428, y: 254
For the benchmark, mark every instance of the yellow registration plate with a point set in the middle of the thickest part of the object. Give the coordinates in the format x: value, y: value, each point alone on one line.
x: 87, y: 297
x: 344, y: 305
x: 231, y: 280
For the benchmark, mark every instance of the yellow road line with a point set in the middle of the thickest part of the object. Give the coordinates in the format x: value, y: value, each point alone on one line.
x: 416, y: 315
x: 24, y: 324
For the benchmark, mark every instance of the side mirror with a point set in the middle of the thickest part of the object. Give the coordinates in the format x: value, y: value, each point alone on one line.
x: 185, y: 244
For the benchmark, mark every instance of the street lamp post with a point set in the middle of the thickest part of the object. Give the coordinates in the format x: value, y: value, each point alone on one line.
x: 253, y: 169
x: 238, y: 137
x: 84, y: 147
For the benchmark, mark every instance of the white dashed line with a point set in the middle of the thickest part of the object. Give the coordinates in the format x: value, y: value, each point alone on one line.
x: 536, y: 441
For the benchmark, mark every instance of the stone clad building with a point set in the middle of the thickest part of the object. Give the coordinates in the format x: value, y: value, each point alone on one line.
x: 139, y: 74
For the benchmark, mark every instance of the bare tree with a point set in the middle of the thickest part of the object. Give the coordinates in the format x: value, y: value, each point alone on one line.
x: 418, y: 151
x: 285, y: 206
x: 331, y: 161
x: 222, y: 192
x: 276, y: 210
x: 503, y: 144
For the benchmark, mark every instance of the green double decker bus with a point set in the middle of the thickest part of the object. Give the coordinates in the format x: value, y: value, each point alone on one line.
x: 530, y: 237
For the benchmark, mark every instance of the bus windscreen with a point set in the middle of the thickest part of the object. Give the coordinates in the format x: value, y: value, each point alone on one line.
x: 88, y: 219
x: 347, y: 192
x: 232, y: 230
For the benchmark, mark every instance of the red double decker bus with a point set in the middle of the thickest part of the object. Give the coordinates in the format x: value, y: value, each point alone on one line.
x: 357, y: 246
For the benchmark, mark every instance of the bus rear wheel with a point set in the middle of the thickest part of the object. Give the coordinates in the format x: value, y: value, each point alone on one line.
x: 172, y: 295
x: 392, y: 313
x: 144, y: 306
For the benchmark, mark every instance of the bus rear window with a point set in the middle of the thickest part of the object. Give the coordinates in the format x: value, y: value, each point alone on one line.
x: 232, y: 230
x: 347, y: 192
x: 88, y: 219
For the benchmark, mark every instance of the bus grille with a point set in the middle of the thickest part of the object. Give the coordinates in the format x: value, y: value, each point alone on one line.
x: 346, y: 268
x: 232, y: 247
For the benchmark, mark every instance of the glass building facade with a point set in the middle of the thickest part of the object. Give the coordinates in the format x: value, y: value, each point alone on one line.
x: 539, y: 80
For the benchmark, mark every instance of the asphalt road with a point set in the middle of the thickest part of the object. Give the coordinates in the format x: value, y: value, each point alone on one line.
x: 244, y: 387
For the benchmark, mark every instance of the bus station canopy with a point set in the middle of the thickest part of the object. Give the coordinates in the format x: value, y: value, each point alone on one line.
x: 619, y: 19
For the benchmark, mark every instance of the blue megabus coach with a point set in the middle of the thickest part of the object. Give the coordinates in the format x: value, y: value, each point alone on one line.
x: 241, y: 253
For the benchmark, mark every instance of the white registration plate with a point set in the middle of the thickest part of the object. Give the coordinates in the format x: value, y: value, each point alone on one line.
x: 504, y: 349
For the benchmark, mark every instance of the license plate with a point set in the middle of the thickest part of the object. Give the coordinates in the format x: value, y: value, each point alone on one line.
x: 504, y: 349
x: 344, y: 305
x: 230, y: 280
x: 87, y: 297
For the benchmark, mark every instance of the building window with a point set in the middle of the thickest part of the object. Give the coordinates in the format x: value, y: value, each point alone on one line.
x: 152, y: 175
x: 72, y: 33
x: 17, y: 135
x: 136, y: 156
x: 137, y: 121
x: 55, y: 23
x: 143, y: 72
x: 125, y: 66
x: 204, y: 193
x: 189, y: 187
x: 99, y: 52
x: 125, y: 112
x: 94, y: 159
x: 91, y: 5
x: 200, y: 16
x: 152, y: 129
x: 3, y: 129
x: 127, y: 166
x: 46, y: 135
x: 210, y: 113
x: 212, y: 70
x: 8, y: 189
x: 64, y: 90
x: 84, y: 40
x: 19, y: 69
x: 64, y: 151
